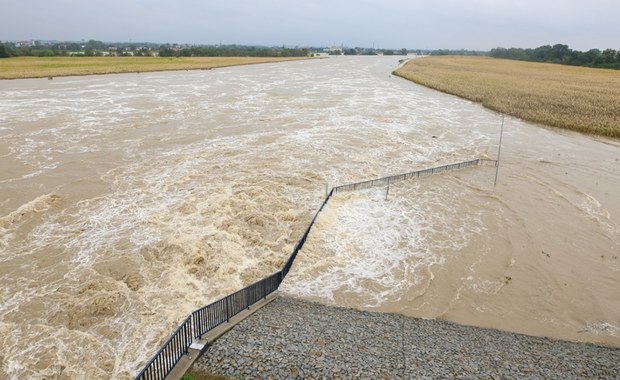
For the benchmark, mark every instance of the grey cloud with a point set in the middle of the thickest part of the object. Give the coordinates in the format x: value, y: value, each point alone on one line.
x: 473, y: 24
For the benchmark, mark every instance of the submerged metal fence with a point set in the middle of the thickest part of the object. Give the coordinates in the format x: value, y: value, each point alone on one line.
x: 401, y: 177
x: 302, y: 241
x: 216, y: 313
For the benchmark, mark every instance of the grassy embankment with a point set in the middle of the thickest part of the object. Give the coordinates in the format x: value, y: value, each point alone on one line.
x: 192, y: 374
x: 43, y: 67
x: 576, y: 98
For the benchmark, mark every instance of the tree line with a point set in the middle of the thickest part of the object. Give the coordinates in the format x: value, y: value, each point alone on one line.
x: 459, y: 52
x: 562, y: 54
x: 367, y: 51
x: 98, y: 48
x: 89, y: 49
x: 230, y: 51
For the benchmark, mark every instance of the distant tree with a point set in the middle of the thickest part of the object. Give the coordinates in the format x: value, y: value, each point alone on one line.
x: 499, y: 52
x: 368, y: 52
x: 593, y: 57
x: 461, y: 52
x: 560, y: 53
x: 403, y: 51
x: 45, y: 53
x: 4, y: 52
x: 293, y: 52
x: 165, y: 51
x: 520, y: 54
x: 95, y: 45
x: 388, y: 52
x: 608, y: 56
x: 577, y: 58
x: 335, y: 52
x: 542, y: 53
x: 350, y: 52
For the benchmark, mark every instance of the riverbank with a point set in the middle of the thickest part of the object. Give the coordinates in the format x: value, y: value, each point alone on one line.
x: 44, y: 67
x: 291, y: 338
x: 576, y: 98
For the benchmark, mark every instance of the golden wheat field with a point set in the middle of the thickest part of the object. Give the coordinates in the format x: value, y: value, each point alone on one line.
x: 42, y: 67
x: 577, y: 98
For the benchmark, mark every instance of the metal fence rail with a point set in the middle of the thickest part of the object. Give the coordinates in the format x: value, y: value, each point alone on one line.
x: 165, y: 359
x: 302, y: 241
x: 209, y: 317
x: 204, y: 320
x: 401, y: 177
x: 216, y: 313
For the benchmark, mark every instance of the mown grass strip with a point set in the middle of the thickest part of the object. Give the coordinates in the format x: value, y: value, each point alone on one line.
x: 577, y: 98
x: 43, y: 67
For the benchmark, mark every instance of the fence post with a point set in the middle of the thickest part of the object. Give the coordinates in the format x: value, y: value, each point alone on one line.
x: 227, y: 311
x: 499, y: 150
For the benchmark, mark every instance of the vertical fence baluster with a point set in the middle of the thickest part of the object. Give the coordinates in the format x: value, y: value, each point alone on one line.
x: 227, y: 309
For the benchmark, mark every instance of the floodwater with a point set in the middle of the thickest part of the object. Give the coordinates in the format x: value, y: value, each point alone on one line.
x: 127, y: 201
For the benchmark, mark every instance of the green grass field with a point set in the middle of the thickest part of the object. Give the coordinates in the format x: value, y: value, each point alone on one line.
x: 576, y: 98
x: 43, y: 67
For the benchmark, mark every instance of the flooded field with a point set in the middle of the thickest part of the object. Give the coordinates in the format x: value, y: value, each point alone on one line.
x: 127, y: 201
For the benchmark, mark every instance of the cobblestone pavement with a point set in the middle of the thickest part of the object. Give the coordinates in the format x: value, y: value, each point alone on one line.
x: 294, y: 339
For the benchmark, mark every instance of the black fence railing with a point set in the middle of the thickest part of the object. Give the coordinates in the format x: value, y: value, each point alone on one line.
x: 401, y: 177
x: 211, y: 316
x: 302, y: 241
x: 204, y: 320
x: 167, y: 357
x: 216, y: 313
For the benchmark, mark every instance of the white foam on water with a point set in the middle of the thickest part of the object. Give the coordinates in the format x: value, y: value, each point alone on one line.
x: 604, y: 328
x: 381, y: 250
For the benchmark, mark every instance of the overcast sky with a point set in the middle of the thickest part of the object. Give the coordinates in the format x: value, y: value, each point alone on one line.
x: 434, y: 24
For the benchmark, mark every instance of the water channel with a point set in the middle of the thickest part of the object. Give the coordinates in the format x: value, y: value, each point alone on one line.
x: 127, y: 201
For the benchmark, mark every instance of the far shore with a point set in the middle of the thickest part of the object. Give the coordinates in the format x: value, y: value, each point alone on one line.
x: 49, y: 67
x: 581, y: 99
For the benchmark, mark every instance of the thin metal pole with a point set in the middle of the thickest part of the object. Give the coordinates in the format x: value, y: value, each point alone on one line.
x: 499, y: 150
x: 227, y: 312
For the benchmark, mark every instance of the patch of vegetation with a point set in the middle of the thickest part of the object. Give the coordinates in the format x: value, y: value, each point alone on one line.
x: 43, y: 67
x: 577, y: 98
x: 459, y: 52
x: 196, y: 375
x: 94, y: 48
x: 562, y: 54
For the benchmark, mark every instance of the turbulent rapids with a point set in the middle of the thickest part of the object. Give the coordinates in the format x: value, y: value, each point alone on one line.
x: 127, y: 201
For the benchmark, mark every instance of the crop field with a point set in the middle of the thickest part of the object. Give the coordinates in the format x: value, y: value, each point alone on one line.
x: 576, y: 98
x: 42, y: 67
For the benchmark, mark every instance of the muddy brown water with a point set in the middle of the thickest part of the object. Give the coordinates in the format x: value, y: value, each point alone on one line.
x: 127, y: 201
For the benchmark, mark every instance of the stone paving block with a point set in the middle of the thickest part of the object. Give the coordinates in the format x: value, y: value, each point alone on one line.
x: 293, y: 339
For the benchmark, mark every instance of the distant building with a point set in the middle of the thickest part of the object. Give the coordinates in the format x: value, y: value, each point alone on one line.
x: 333, y: 50
x: 25, y: 43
